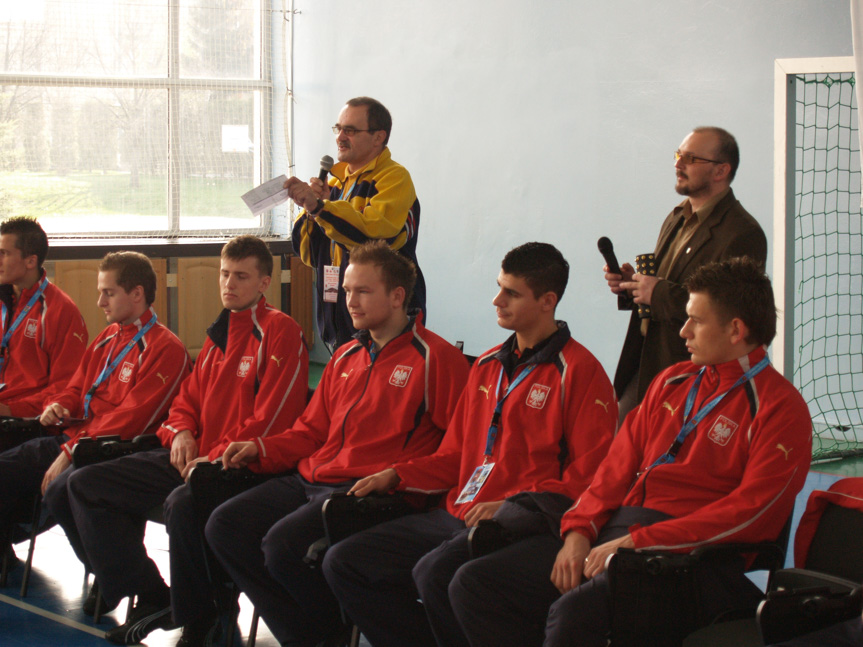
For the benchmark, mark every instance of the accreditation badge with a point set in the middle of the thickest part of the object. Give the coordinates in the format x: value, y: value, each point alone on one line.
x: 473, y: 486
x: 331, y: 283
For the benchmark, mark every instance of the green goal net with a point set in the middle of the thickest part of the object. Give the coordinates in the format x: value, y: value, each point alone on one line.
x: 828, y: 262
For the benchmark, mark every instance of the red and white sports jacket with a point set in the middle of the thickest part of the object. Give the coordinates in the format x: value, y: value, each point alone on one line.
x: 136, y: 396
x: 848, y: 493
x: 251, y: 379
x: 44, y: 351
x: 735, y: 477
x: 369, y: 412
x: 556, y: 426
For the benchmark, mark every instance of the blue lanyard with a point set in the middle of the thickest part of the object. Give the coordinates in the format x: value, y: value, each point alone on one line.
x: 346, y: 191
x: 690, y: 424
x: 7, y: 336
x: 109, y: 368
x: 495, y: 417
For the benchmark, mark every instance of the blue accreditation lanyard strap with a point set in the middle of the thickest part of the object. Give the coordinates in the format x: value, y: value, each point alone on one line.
x: 109, y: 368
x: 690, y: 424
x: 491, y: 437
x: 7, y: 336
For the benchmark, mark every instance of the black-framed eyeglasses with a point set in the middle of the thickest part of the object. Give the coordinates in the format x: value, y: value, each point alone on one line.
x: 693, y: 159
x: 350, y: 131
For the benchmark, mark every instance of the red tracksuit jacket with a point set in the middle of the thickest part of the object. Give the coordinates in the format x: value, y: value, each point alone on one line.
x: 368, y: 413
x: 251, y: 379
x: 136, y: 396
x: 735, y: 477
x: 44, y: 350
x: 555, y: 428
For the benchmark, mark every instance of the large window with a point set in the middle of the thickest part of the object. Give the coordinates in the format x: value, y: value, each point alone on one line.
x: 134, y: 116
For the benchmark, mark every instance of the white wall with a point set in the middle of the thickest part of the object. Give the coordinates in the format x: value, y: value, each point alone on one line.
x: 550, y: 120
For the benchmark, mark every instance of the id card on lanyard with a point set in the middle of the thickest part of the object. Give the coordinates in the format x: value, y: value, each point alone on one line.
x: 481, y: 473
x: 331, y: 272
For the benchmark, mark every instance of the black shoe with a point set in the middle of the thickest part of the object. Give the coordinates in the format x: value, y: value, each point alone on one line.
x: 145, y: 617
x: 90, y: 602
x: 202, y: 632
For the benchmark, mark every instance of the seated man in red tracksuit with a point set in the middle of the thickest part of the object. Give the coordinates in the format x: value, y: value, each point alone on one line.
x: 385, y: 396
x: 123, y: 385
x: 716, y: 452
x: 42, y: 333
x: 687, y: 472
x: 250, y: 379
x: 536, y: 419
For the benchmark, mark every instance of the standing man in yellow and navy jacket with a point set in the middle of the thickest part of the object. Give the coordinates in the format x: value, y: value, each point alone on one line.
x: 369, y: 196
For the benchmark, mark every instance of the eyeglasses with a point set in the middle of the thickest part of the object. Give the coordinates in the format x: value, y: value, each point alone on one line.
x: 350, y: 131
x: 692, y: 159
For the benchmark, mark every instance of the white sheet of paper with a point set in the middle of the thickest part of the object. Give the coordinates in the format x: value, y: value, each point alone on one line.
x: 270, y: 194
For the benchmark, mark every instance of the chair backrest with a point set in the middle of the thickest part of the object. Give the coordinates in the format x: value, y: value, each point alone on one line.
x: 837, y: 546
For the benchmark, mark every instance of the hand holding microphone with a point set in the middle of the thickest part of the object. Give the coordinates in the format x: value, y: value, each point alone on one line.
x: 615, y: 274
x: 319, y: 184
x: 309, y: 196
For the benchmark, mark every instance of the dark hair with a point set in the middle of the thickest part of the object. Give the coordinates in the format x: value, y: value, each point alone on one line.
x: 30, y: 238
x: 378, y: 116
x: 397, y: 271
x: 727, y: 150
x: 739, y: 288
x: 133, y: 269
x: 541, y: 265
x: 242, y: 247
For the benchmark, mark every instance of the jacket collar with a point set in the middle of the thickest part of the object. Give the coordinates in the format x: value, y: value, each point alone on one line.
x: 703, y: 232
x: 727, y: 373
x: 365, y: 338
x: 543, y: 353
x: 340, y: 170
x: 130, y: 330
x: 26, y: 294
x: 219, y: 330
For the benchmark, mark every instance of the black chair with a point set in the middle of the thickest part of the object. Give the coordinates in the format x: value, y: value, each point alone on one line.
x: 801, y: 600
x: 14, y: 431
x: 655, y: 594
x: 827, y: 590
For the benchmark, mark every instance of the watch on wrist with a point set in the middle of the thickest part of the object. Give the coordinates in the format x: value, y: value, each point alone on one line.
x: 318, y: 208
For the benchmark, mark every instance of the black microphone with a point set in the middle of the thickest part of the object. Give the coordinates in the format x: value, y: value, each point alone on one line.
x: 326, y: 165
x: 624, y: 301
x: 607, y: 251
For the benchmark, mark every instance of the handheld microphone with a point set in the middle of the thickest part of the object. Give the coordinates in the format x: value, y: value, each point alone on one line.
x: 326, y: 165
x: 624, y: 301
x: 607, y: 251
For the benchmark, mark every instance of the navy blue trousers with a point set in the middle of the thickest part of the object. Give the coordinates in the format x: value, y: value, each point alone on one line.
x: 22, y: 469
x: 261, y: 537
x: 378, y: 575
x: 103, y: 510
